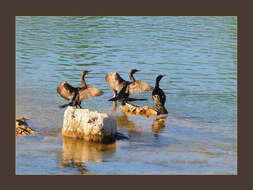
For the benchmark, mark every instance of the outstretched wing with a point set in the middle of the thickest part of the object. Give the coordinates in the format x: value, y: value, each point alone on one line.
x: 66, y: 90
x: 115, y: 81
x: 89, y: 92
x: 138, y: 87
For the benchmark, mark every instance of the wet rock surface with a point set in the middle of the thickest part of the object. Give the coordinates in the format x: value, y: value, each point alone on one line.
x: 23, y: 128
x: 146, y: 111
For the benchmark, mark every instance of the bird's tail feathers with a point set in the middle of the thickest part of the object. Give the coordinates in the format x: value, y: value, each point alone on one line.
x: 113, y: 99
x: 136, y: 99
x: 127, y: 99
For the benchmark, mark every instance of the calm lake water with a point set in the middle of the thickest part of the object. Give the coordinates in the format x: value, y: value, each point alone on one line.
x: 198, y: 56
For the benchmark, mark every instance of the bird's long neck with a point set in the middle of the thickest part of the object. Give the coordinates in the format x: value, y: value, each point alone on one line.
x: 131, y: 76
x: 83, y: 81
x: 157, y: 83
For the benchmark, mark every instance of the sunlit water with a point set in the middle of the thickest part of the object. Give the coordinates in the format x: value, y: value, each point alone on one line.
x: 198, y: 56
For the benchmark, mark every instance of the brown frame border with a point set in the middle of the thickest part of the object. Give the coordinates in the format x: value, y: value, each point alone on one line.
x: 11, y: 9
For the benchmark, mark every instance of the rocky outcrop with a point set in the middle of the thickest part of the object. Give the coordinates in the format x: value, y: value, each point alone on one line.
x: 22, y: 127
x: 146, y: 111
x: 89, y: 125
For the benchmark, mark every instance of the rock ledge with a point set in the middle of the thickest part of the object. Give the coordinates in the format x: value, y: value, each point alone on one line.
x: 146, y: 111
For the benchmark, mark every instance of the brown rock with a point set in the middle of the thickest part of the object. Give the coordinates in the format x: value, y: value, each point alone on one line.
x: 146, y: 111
x: 22, y: 127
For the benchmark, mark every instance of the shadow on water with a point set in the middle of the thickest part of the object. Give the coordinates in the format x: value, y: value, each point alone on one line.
x: 76, y: 152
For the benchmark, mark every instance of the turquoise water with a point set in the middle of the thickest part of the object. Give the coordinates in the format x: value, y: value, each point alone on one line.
x: 198, y: 56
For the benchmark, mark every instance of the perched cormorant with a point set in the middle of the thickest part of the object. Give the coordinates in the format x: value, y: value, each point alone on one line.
x: 116, y: 82
x: 159, y: 97
x: 123, y: 95
x: 77, y: 94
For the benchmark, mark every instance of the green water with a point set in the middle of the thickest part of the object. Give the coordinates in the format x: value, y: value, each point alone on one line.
x: 198, y: 56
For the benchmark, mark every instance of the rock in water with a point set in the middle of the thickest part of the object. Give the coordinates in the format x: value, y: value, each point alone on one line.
x: 22, y: 127
x: 89, y: 125
x: 146, y: 111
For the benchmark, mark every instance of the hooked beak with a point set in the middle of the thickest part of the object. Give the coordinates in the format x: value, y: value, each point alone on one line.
x: 87, y: 72
x: 135, y: 70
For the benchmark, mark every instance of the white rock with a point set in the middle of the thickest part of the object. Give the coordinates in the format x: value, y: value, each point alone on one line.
x: 89, y: 125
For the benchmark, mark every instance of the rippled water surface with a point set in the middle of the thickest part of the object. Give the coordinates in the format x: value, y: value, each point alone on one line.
x: 198, y: 56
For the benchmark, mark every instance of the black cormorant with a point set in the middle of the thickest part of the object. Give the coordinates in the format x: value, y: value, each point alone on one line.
x: 123, y: 95
x: 159, y: 97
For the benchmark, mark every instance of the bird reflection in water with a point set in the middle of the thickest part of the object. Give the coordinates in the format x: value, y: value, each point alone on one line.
x: 114, y: 108
x: 157, y: 126
x: 124, y: 123
x: 77, y: 152
x: 80, y: 166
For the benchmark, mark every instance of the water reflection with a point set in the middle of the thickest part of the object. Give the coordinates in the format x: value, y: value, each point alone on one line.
x: 114, y: 109
x: 80, y: 166
x: 76, y: 152
x: 124, y: 123
x: 157, y: 126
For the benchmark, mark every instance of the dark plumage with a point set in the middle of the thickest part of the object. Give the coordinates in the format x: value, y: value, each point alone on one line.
x: 116, y: 82
x: 159, y: 97
x: 123, y: 95
x: 77, y: 94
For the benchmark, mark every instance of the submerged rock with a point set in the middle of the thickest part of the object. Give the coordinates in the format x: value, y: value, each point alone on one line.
x: 146, y: 111
x: 22, y: 127
x: 89, y: 125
